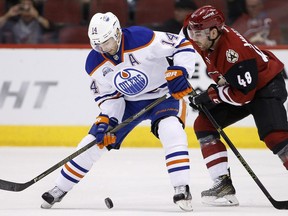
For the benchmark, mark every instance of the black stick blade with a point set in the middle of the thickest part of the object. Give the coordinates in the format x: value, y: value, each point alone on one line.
x: 281, y: 205
x: 13, y: 186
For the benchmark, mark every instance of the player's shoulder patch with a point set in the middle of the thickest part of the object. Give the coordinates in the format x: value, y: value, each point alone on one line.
x: 232, y: 56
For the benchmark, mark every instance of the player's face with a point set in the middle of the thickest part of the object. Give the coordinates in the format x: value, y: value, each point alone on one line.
x: 201, y: 38
x: 110, y: 46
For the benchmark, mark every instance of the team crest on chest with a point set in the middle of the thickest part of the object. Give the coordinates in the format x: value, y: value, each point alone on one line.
x: 232, y: 56
x: 130, y: 81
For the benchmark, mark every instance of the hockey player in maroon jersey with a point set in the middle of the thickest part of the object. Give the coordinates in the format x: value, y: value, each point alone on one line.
x: 247, y: 81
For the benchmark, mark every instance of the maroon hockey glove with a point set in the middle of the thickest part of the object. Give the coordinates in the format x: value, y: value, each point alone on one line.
x: 207, y: 98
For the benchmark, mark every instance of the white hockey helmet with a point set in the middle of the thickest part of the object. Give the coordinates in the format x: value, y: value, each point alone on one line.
x: 102, y: 27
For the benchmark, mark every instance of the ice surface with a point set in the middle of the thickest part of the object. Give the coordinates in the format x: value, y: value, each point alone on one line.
x: 137, y: 182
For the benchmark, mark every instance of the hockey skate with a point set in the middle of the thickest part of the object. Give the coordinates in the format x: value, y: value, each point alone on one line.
x: 222, y: 193
x: 183, y: 197
x: 51, y: 197
x: 283, y: 155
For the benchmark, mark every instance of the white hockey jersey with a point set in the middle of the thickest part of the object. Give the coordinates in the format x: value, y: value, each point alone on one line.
x: 137, y: 71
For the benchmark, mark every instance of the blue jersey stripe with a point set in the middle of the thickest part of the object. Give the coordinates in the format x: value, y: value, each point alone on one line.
x: 178, y: 169
x: 184, y: 50
x: 68, y: 177
x: 176, y: 154
x: 78, y: 167
x: 181, y: 42
x: 114, y: 94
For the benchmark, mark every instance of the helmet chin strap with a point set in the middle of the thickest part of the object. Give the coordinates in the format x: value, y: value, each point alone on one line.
x: 118, y: 40
x: 213, y: 40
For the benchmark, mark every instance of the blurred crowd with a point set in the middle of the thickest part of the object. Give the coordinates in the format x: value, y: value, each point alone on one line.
x: 263, y: 22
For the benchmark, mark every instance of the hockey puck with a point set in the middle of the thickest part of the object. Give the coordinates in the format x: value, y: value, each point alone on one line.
x: 109, y: 203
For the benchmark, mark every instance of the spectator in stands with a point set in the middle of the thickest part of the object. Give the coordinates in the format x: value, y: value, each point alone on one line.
x: 257, y: 26
x: 22, y: 24
x: 235, y: 8
x: 182, y: 9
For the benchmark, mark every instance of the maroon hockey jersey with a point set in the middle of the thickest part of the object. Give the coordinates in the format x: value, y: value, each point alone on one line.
x: 245, y: 67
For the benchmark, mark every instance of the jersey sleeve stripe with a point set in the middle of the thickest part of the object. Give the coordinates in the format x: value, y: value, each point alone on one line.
x: 225, y: 97
x: 103, y: 98
x: 183, y: 44
x: 184, y: 50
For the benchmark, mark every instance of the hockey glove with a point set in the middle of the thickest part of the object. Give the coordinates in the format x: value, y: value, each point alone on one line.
x: 178, y: 84
x: 102, y: 125
x: 209, y: 98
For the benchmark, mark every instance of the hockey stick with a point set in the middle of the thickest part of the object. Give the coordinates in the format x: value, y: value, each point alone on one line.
x: 275, y: 203
x: 15, y: 187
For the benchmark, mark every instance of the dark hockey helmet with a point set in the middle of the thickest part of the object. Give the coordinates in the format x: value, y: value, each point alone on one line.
x: 206, y: 17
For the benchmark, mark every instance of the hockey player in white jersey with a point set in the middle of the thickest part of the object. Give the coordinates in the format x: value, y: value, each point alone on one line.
x: 129, y: 70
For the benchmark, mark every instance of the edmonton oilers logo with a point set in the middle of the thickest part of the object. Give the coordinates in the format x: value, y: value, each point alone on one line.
x: 130, y: 81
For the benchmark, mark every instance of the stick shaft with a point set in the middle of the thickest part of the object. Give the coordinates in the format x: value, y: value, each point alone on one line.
x: 276, y: 204
x: 14, y: 186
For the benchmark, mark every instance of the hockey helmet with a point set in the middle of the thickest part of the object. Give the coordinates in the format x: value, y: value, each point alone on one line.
x: 102, y: 27
x: 206, y: 17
